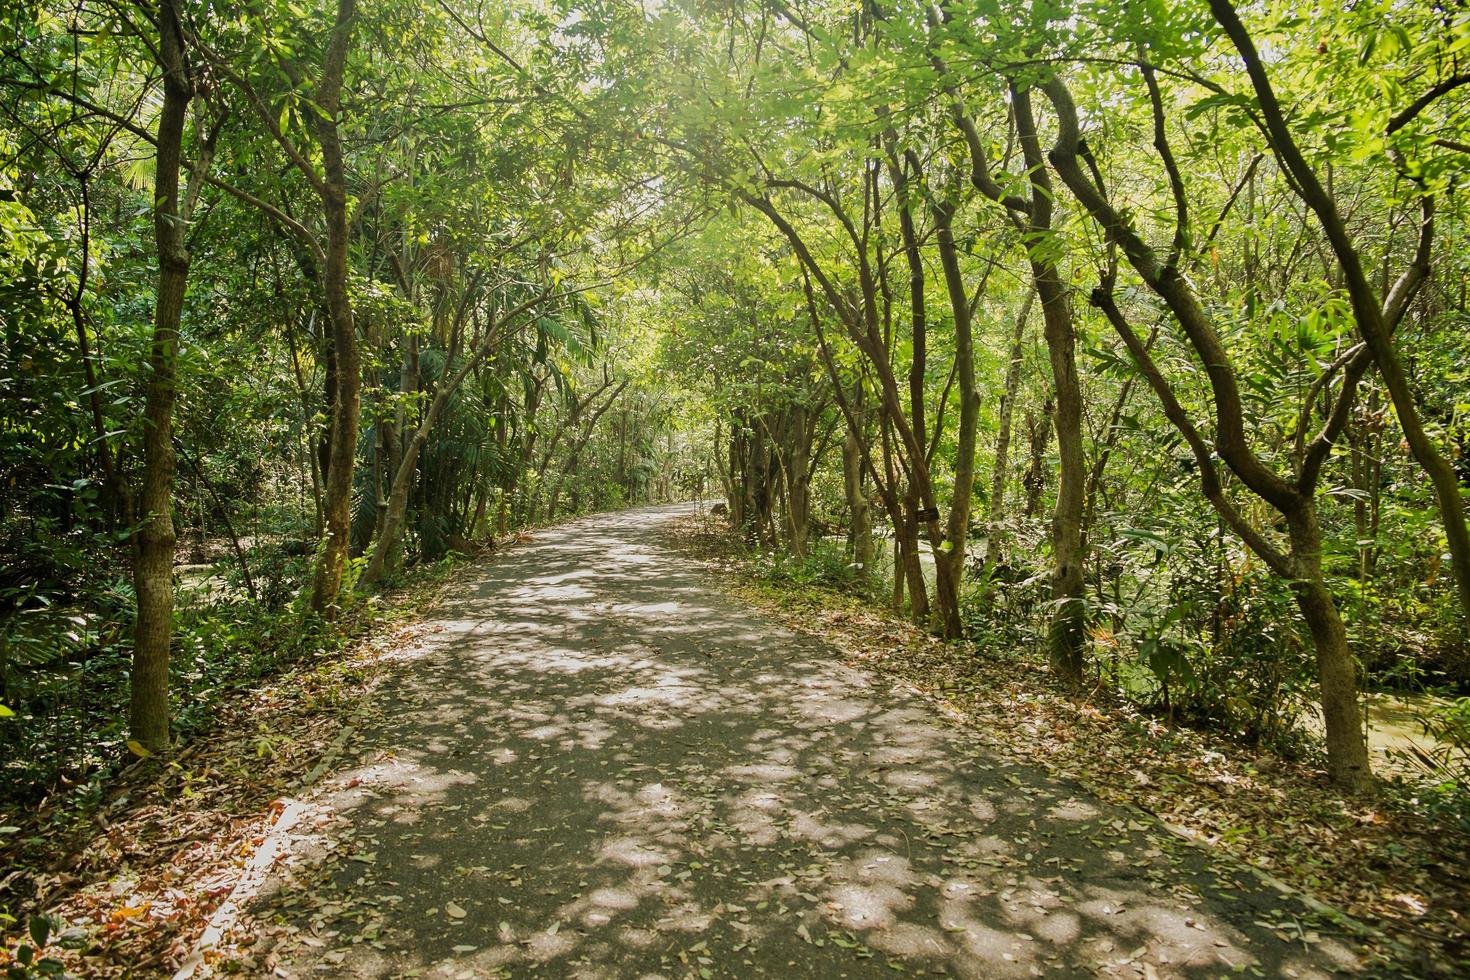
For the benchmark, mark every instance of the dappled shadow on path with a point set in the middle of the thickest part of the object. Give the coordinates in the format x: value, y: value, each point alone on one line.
x: 599, y: 767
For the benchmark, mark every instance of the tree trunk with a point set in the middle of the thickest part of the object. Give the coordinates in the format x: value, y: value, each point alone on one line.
x: 393, y: 426
x: 313, y: 456
x: 385, y: 550
x: 752, y: 472
x: 224, y: 513
x: 1365, y: 438
x: 347, y: 403
x: 907, y: 563
x: 898, y: 577
x: 732, y: 474
x: 117, y: 505
x: 767, y: 490
x: 1067, y: 636
x: 329, y: 399
x: 1038, y: 434
x: 861, y: 321
x: 906, y: 541
x: 575, y: 455
x: 860, y: 520
x: 997, y: 509
x: 622, y: 476
x: 1294, y: 500
x: 1347, y: 749
x: 798, y: 451
x: 949, y: 553
x: 148, y: 714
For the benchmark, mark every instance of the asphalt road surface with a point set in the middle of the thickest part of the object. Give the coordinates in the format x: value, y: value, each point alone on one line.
x: 594, y: 764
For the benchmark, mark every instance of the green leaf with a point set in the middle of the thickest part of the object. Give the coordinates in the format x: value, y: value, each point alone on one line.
x: 40, y: 929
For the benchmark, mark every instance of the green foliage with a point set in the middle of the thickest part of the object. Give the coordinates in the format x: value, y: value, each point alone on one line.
x: 609, y: 171
x: 827, y: 565
x: 1444, y: 766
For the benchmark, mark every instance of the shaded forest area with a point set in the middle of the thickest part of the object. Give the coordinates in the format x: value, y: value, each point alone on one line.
x: 1132, y: 335
x: 276, y: 324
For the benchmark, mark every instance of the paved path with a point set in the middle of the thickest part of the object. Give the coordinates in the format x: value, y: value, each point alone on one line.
x: 597, y: 766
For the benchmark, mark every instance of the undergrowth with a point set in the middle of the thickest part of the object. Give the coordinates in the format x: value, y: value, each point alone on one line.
x: 66, y: 738
x: 825, y: 564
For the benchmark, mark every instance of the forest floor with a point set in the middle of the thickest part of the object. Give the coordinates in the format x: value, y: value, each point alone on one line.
x: 591, y: 760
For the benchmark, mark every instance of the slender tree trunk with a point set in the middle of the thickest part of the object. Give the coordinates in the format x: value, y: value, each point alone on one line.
x: 117, y: 507
x: 722, y: 465
x: 1295, y: 499
x: 1067, y: 636
x: 860, y: 521
x: 751, y: 473
x: 1365, y: 468
x: 347, y: 403
x: 908, y: 563
x: 623, y: 450
x: 575, y: 455
x: 527, y: 504
x: 886, y: 480
x: 346, y: 412
x: 1103, y: 451
x: 553, y: 507
x: 731, y: 474
x: 385, y: 549
x: 313, y: 456
x: 1033, y: 216
x: 1038, y: 434
x: 998, y: 471
x: 1375, y: 489
x: 906, y: 537
x: 1431, y: 460
x: 739, y: 449
x: 798, y: 488
x: 393, y: 426
x: 770, y: 488
x: 949, y: 553
x: 898, y: 577
x: 1347, y: 752
x: 861, y: 321
x: 148, y: 714
x: 1347, y: 749
x: 508, y: 483
x: 477, y: 521
x: 380, y: 466
x: 329, y: 400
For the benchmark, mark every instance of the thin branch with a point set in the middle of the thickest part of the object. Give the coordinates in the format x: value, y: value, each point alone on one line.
x: 1171, y: 167
x: 1409, y: 112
